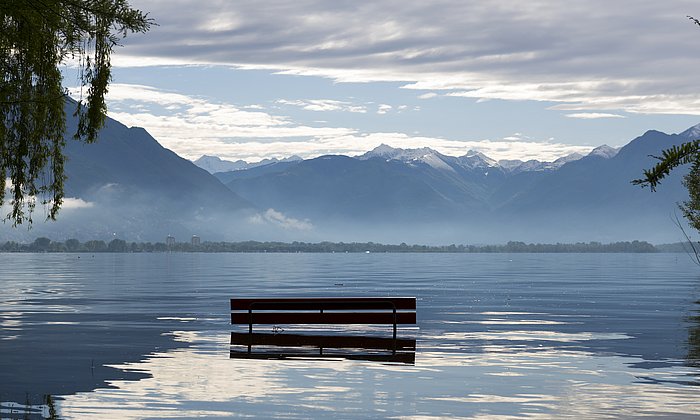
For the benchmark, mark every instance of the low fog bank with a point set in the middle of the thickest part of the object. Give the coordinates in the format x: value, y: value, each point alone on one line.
x: 496, y: 233
x: 115, y: 211
x: 133, y: 223
x: 134, y: 220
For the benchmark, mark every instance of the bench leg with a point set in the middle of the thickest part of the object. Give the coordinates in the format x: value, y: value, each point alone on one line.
x: 250, y: 329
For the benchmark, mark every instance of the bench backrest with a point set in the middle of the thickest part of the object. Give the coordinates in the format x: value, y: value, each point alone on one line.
x: 329, y: 310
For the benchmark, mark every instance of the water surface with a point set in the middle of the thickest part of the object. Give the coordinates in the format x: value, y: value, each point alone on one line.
x: 498, y: 335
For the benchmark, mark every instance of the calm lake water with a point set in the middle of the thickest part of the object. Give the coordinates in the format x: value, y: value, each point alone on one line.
x: 132, y: 336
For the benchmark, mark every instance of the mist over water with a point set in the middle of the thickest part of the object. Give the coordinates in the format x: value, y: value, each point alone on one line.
x: 133, y: 218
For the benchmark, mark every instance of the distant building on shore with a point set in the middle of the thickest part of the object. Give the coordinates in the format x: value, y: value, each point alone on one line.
x: 170, y: 240
x: 195, y: 240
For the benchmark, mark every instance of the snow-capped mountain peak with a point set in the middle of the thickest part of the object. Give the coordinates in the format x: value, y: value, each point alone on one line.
x: 423, y: 155
x: 566, y: 159
x: 474, y: 159
x: 693, y: 133
x: 382, y: 150
x: 604, y: 151
x: 532, y: 165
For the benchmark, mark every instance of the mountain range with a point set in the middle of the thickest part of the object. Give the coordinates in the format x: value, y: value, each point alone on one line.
x: 213, y: 164
x: 391, y: 193
x: 126, y: 185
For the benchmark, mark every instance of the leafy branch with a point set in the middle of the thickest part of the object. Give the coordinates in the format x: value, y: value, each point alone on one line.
x: 669, y: 159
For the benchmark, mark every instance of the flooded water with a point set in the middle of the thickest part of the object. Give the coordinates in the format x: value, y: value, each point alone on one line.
x: 131, y: 336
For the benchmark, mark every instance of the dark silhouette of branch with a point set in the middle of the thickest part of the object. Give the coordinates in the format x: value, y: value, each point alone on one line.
x: 696, y: 255
x: 669, y: 159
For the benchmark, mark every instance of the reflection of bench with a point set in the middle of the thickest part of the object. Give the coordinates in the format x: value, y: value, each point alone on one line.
x: 352, y: 347
x: 325, y: 310
x: 328, y: 311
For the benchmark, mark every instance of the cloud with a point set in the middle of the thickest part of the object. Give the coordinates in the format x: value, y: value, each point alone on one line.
x: 68, y: 202
x: 276, y: 218
x: 324, y: 105
x: 193, y: 126
x: 428, y: 95
x: 199, y: 126
x: 384, y: 108
x: 69, y: 205
x: 593, y: 115
x: 76, y: 203
x: 593, y: 55
x: 514, y: 137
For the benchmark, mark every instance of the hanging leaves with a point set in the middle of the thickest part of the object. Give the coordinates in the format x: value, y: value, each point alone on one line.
x: 36, y: 36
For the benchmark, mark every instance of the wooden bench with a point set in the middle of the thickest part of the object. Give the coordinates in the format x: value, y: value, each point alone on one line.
x: 324, y: 310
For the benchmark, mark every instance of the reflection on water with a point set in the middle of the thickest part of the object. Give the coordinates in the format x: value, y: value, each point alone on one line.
x: 316, y: 346
x: 498, y: 336
x: 503, y: 381
x: 28, y: 411
x: 693, y: 356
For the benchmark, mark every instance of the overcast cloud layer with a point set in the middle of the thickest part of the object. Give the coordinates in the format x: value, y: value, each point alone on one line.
x: 587, y: 55
x: 194, y: 126
x: 258, y: 79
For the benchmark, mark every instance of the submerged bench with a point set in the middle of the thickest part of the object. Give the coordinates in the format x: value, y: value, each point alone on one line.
x: 324, y: 310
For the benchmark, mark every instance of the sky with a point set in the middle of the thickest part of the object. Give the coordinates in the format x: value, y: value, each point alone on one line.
x: 511, y: 79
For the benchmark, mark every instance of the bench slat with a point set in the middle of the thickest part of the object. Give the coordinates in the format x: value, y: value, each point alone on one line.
x: 357, y: 303
x: 323, y: 318
x: 330, y: 306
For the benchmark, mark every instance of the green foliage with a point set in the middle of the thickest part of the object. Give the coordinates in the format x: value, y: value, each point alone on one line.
x: 117, y: 245
x: 95, y: 246
x: 669, y: 159
x: 72, y: 245
x: 36, y: 36
x: 691, y: 207
x: 41, y: 244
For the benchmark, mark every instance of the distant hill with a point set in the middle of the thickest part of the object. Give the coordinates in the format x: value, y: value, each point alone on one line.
x: 131, y: 160
x: 255, y: 171
x: 407, y: 184
x: 341, y: 188
x: 214, y: 164
x: 594, y: 194
x: 127, y: 185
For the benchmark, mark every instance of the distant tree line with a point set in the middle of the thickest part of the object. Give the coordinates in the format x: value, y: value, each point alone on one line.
x: 118, y: 245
